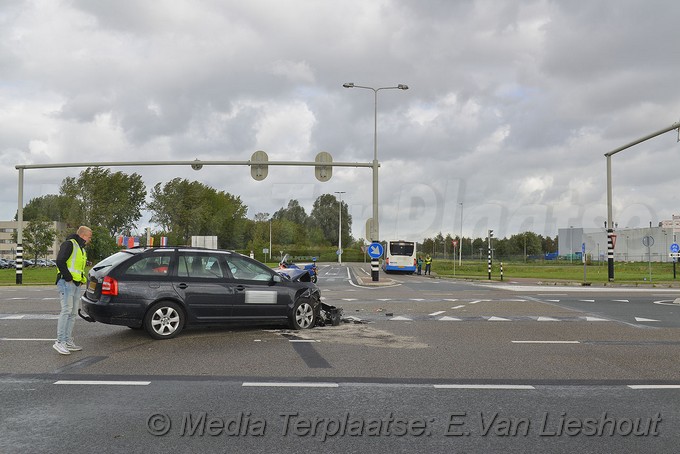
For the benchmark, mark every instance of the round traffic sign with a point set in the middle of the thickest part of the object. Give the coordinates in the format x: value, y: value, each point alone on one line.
x: 375, y: 250
x: 675, y: 247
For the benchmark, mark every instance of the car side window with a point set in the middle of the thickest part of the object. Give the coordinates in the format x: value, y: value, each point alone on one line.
x: 244, y: 269
x: 153, y: 265
x: 200, y: 265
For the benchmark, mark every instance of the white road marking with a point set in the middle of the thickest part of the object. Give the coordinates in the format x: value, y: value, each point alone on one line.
x: 473, y: 386
x: 289, y: 385
x: 101, y: 382
x: 546, y: 342
x: 437, y: 313
x: 654, y: 386
x: 25, y: 339
x: 641, y: 319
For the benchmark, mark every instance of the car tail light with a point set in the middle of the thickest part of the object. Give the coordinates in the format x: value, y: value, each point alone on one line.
x: 109, y: 286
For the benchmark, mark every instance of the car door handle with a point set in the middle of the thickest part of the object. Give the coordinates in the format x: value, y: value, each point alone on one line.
x: 182, y: 286
x: 240, y: 288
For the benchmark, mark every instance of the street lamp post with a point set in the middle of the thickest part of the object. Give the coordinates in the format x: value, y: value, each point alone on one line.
x: 340, y: 193
x: 460, y: 249
x: 375, y: 229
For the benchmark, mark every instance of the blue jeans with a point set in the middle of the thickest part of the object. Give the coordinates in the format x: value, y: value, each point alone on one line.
x: 70, y: 296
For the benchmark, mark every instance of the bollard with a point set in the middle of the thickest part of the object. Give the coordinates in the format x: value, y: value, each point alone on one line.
x: 501, y: 271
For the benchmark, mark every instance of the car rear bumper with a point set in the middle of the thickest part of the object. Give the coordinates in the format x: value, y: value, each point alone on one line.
x: 118, y: 314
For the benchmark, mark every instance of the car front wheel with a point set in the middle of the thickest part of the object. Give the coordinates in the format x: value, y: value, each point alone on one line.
x: 164, y: 320
x: 303, y: 316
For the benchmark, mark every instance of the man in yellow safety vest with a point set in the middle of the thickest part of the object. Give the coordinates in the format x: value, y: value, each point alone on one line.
x: 71, y: 261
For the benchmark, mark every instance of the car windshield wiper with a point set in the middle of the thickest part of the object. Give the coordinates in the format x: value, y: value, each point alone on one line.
x: 97, y: 268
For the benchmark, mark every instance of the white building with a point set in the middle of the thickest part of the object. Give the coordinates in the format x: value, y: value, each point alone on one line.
x: 630, y: 245
x: 8, y: 248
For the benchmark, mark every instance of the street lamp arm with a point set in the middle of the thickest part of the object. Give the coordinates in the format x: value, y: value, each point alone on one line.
x: 353, y: 85
x: 645, y: 138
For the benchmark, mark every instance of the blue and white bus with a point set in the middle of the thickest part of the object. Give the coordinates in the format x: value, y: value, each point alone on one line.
x: 400, y: 256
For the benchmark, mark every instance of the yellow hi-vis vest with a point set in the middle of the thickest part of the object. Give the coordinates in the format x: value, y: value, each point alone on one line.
x: 76, y: 263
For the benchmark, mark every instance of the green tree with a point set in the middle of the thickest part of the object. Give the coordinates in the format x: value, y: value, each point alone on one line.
x: 293, y: 213
x: 102, y: 244
x: 38, y: 238
x: 188, y: 208
x: 325, y: 216
x: 48, y: 207
x: 100, y: 197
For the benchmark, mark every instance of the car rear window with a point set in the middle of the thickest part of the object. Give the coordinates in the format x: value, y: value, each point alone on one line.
x: 113, y: 260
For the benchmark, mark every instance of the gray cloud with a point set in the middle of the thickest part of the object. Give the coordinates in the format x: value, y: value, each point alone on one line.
x: 511, y: 105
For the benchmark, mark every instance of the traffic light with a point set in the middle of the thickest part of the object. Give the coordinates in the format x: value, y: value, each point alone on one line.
x: 490, y: 234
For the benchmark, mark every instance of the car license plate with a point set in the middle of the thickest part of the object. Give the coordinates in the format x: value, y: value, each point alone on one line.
x: 91, y: 286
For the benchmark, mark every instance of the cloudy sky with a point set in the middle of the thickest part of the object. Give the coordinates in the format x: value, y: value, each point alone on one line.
x: 510, y: 108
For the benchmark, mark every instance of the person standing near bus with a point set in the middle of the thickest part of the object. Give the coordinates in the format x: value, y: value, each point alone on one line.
x: 428, y: 264
x: 419, y: 262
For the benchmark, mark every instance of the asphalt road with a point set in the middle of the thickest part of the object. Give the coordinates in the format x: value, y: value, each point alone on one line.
x: 418, y: 365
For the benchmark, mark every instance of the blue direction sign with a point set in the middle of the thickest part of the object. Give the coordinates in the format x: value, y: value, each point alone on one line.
x: 675, y: 248
x: 375, y: 250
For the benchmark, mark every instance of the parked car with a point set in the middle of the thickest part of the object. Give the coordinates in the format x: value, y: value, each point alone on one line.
x: 4, y: 264
x: 164, y: 290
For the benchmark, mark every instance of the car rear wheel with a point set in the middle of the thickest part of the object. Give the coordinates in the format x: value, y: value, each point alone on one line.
x: 164, y: 320
x: 303, y: 316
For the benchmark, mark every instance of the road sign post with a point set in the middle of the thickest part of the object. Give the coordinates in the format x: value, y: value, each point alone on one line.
x: 375, y: 251
x: 675, y: 253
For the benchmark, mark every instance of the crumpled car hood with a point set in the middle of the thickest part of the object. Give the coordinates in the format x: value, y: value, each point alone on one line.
x: 295, y: 274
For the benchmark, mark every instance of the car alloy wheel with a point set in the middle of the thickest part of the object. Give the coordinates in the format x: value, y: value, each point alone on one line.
x: 303, y: 315
x: 165, y: 320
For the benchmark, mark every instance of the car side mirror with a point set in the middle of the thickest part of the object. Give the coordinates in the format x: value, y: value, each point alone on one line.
x: 275, y: 278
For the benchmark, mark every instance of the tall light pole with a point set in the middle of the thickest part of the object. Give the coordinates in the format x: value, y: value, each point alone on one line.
x: 340, y: 193
x: 460, y: 249
x: 375, y: 228
x: 610, y: 221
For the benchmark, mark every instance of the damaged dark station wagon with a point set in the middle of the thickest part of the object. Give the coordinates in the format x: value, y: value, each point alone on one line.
x: 166, y: 289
